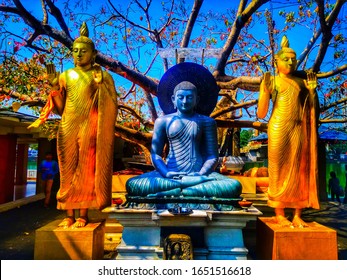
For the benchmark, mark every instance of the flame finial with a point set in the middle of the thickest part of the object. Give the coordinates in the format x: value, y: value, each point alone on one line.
x: 84, y: 30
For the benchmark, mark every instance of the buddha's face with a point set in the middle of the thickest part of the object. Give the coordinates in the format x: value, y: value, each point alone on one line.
x: 286, y: 63
x: 185, y: 100
x: 83, y: 54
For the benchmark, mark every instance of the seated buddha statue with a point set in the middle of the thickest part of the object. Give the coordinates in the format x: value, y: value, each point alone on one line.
x: 188, y: 169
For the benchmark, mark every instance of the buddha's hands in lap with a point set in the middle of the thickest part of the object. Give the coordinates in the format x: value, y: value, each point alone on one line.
x: 192, y: 180
x: 175, y: 174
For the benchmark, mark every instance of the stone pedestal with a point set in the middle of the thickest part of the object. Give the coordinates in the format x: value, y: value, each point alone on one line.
x: 56, y: 243
x: 218, y: 233
x: 315, y: 242
x: 140, y: 236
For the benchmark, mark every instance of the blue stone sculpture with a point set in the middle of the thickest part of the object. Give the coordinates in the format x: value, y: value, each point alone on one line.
x: 187, y: 93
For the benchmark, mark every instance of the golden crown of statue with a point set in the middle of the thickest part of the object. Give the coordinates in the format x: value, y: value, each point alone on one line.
x: 84, y: 30
x: 285, y: 46
x: 84, y: 36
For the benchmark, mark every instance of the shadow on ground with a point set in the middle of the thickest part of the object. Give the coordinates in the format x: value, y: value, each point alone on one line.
x: 18, y: 226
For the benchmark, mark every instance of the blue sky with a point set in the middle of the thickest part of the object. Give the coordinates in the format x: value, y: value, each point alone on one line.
x: 298, y: 43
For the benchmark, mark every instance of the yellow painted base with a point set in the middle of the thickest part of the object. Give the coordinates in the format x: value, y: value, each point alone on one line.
x: 119, y: 181
x: 56, y: 243
x: 315, y: 242
x: 248, y: 183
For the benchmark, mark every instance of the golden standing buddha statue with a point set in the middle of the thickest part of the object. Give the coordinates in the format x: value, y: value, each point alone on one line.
x: 86, y: 99
x: 292, y: 134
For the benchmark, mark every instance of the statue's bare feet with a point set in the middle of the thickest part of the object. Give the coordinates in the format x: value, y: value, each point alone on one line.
x: 298, y: 222
x: 80, y: 222
x: 283, y: 221
x: 67, y: 222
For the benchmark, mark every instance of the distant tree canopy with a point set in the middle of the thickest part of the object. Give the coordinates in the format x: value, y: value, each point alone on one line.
x: 245, y: 136
x: 130, y: 36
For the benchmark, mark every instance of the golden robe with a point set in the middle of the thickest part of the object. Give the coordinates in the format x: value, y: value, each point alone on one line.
x: 85, y: 140
x: 292, y: 147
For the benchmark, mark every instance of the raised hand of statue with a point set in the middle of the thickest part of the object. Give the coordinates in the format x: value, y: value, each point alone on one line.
x: 311, y: 82
x: 268, y: 86
x: 52, y: 76
x: 97, y: 74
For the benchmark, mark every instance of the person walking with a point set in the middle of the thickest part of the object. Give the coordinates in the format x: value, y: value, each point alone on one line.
x: 48, y: 169
x: 334, y: 187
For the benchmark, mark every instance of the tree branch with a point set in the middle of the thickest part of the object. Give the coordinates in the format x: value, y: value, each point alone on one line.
x: 190, y: 24
x: 59, y: 17
x: 238, y: 106
x: 134, y: 136
x: 341, y: 101
x: 326, y: 27
x: 127, y: 20
x: 333, y: 121
x: 332, y: 72
x: 229, y: 123
x: 44, y: 11
x: 37, y: 26
x: 147, y: 83
x: 309, y: 47
x: 242, y: 82
x: 37, y: 101
x: 243, y: 15
x: 146, y: 123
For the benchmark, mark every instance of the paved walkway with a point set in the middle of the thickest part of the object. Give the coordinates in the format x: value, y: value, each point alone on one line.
x: 18, y: 225
x: 329, y: 214
x: 335, y: 217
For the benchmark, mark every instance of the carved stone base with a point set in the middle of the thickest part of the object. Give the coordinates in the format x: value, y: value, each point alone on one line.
x: 215, y: 235
x: 315, y: 242
x: 56, y: 243
x: 178, y: 247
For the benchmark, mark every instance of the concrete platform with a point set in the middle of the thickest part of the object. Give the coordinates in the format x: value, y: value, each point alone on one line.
x: 57, y: 243
x: 315, y: 242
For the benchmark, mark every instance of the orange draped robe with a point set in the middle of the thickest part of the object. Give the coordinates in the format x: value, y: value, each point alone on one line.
x: 85, y: 139
x: 292, y: 147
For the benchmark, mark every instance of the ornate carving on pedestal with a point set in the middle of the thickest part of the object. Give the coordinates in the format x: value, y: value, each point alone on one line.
x: 178, y: 247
